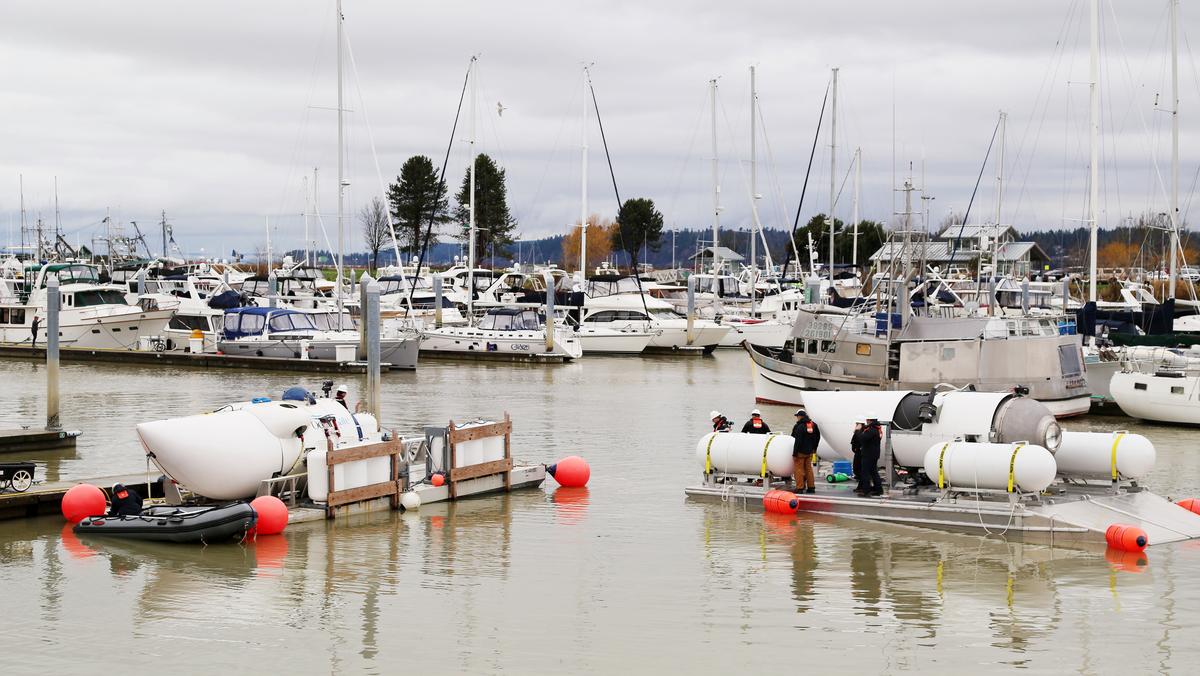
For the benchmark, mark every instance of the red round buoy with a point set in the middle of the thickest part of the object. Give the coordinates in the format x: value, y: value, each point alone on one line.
x: 272, y: 515
x: 572, y: 472
x: 780, y: 502
x: 438, y: 479
x: 1190, y: 504
x: 83, y: 501
x: 1126, y: 538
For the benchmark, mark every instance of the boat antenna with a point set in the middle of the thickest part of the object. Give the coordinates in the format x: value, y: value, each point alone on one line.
x: 441, y: 182
x: 804, y: 189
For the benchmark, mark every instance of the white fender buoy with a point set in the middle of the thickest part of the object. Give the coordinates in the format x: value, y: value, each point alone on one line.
x: 410, y: 500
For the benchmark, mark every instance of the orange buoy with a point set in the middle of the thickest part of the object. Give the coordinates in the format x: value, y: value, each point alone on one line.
x: 780, y: 502
x: 1126, y: 538
x: 272, y: 515
x: 438, y: 479
x: 83, y: 501
x: 572, y: 472
x: 1190, y: 504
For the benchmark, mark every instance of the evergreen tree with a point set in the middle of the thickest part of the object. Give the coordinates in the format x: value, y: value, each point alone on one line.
x: 414, y: 198
x: 638, y: 224
x: 494, y: 224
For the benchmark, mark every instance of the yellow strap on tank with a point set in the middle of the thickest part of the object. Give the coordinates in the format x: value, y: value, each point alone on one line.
x: 708, y: 454
x: 770, y: 438
x: 1012, y: 463
x: 1116, y: 441
x: 941, y: 467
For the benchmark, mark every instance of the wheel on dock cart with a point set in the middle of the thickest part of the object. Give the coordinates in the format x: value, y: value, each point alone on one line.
x: 21, y: 480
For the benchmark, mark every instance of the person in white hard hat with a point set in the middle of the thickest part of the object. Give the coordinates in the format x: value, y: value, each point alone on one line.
x: 720, y: 422
x: 756, y: 425
x: 340, y: 397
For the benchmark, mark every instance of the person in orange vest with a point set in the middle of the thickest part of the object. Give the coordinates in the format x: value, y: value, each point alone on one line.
x: 720, y: 422
x: 756, y: 425
x: 807, y: 437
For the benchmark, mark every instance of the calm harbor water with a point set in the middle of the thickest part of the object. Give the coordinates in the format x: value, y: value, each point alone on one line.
x: 626, y: 575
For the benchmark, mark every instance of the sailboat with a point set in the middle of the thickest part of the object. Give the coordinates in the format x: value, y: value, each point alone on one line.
x: 502, y: 332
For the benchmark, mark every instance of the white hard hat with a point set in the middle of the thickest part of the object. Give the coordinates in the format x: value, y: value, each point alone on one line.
x: 343, y: 388
x: 714, y: 414
x: 755, y: 412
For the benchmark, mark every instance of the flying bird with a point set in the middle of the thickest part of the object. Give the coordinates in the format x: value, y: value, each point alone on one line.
x: 499, y: 109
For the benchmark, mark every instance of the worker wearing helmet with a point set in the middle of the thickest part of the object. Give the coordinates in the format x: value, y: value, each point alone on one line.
x: 340, y: 397
x: 807, y: 437
x: 756, y: 425
x: 720, y: 423
x: 125, y: 501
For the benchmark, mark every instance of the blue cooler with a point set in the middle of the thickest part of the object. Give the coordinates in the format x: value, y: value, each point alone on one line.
x: 842, y: 466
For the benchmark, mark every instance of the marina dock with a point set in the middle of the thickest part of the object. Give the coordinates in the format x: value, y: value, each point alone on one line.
x: 46, y: 498
x: 185, y: 359
x: 25, y: 440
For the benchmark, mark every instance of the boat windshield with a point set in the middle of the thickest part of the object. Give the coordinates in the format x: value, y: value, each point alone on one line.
x: 507, y: 321
x: 598, y: 288
x: 666, y: 314
x: 327, y: 321
x: 74, y: 274
x: 98, y: 297
x: 292, y: 321
x: 389, y: 285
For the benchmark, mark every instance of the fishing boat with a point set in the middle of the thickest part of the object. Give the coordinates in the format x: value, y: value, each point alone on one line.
x: 208, y: 524
x: 991, y: 464
x: 228, y: 453
x: 288, y: 333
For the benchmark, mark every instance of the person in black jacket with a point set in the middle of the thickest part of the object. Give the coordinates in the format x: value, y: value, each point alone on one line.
x: 756, y: 425
x: 720, y: 422
x: 856, y: 449
x: 807, y: 436
x: 125, y: 501
x: 869, y: 440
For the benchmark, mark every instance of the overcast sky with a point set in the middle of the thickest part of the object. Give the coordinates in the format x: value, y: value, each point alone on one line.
x: 215, y: 111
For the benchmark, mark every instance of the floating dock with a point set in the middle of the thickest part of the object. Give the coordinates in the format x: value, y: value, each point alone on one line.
x: 514, y: 357
x: 186, y: 359
x: 27, y: 440
x: 46, y: 498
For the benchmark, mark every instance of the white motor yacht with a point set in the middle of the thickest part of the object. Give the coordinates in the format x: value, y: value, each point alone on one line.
x: 503, y: 333
x: 616, y: 304
x: 92, y: 315
x: 294, y: 334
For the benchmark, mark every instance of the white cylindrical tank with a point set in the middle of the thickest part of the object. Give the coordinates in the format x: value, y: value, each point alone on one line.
x: 966, y: 465
x: 318, y: 476
x: 737, y: 453
x: 1092, y: 454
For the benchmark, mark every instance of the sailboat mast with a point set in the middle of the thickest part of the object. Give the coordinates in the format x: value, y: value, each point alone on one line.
x: 471, y: 201
x: 1094, y: 179
x: 854, y: 211
x: 753, y: 195
x: 340, y: 162
x: 999, y: 198
x: 832, y: 169
x: 1174, y: 147
x: 716, y: 179
x: 583, y: 181
x: 307, y: 252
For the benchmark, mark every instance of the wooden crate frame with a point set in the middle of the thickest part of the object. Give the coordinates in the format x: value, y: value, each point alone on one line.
x: 392, y: 488
x: 503, y: 466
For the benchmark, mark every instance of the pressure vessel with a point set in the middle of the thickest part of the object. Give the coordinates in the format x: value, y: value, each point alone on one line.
x: 737, y: 453
x: 1090, y: 455
x: 965, y: 465
x: 318, y: 476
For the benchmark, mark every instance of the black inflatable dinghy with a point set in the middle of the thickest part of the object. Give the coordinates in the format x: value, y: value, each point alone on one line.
x: 209, y: 524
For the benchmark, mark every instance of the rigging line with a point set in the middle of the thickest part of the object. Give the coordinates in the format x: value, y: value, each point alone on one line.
x: 804, y: 189
x: 971, y: 202
x: 297, y: 143
x: 441, y: 183
x: 553, y: 152
x: 374, y: 153
x: 1059, y: 49
x: 637, y: 278
x: 687, y: 158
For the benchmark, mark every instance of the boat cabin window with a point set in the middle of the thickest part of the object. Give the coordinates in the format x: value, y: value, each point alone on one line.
x: 616, y: 316
x: 12, y: 316
x: 99, y: 297
x: 863, y: 349
x: 1175, y: 389
x: 74, y: 274
x: 947, y: 353
x: 328, y: 321
x: 189, y: 323
x: 245, y: 323
x: 292, y: 322
x: 1068, y: 359
x: 828, y: 346
x: 1139, y: 386
x: 525, y: 321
